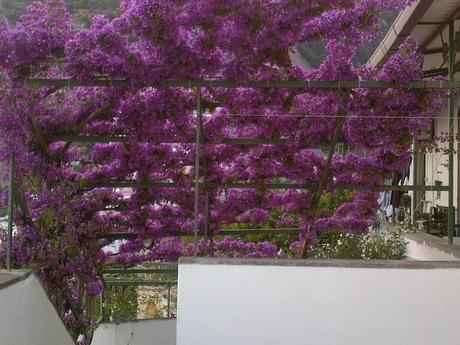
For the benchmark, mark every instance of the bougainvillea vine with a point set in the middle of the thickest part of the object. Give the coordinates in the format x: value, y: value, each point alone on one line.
x: 64, y: 222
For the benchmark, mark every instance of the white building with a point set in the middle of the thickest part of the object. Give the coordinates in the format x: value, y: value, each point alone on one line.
x: 427, y: 21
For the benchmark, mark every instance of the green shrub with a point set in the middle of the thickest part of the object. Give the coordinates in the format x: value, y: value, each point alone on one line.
x: 120, y: 304
x: 373, y: 245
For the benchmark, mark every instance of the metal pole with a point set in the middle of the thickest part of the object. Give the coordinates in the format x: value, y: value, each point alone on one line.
x: 451, y: 215
x: 206, y: 222
x: 458, y: 167
x: 199, y: 117
x: 414, y: 199
x: 101, y: 306
x: 169, y: 301
x: 9, y: 243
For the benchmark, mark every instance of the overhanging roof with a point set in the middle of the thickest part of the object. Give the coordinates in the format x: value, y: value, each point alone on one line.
x: 426, y: 21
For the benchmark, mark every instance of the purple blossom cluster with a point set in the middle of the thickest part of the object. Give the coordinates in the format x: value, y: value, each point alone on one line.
x: 65, y: 221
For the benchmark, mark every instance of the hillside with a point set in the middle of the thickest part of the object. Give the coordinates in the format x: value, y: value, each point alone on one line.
x: 12, y: 9
x: 311, y: 54
x: 314, y: 53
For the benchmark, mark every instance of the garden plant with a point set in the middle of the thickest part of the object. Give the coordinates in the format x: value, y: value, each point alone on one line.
x: 65, y: 212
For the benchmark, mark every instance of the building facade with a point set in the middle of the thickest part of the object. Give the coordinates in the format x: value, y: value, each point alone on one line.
x: 428, y: 22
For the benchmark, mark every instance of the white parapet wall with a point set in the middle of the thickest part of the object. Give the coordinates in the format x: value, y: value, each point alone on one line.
x: 27, y: 316
x: 424, y: 247
x: 290, y: 302
x: 142, y: 332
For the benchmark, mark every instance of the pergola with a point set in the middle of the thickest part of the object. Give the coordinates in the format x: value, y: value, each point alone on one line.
x: 200, y: 139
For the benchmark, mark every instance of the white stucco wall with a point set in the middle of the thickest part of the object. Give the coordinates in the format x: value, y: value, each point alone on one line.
x: 227, y: 304
x: 27, y: 317
x: 143, y: 332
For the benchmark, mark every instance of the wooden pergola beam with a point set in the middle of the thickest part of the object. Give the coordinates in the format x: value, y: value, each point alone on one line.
x: 125, y: 139
x: 227, y: 232
x: 254, y: 185
x: 264, y: 84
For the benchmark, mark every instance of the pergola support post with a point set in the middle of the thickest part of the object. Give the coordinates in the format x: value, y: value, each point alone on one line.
x: 9, y: 243
x: 451, y: 68
x: 101, y: 305
x: 169, y: 301
x: 199, y: 120
x: 206, y: 222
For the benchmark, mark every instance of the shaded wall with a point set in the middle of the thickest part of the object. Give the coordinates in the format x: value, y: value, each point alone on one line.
x: 27, y: 317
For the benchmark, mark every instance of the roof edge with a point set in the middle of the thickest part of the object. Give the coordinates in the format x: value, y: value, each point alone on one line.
x: 399, y: 31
